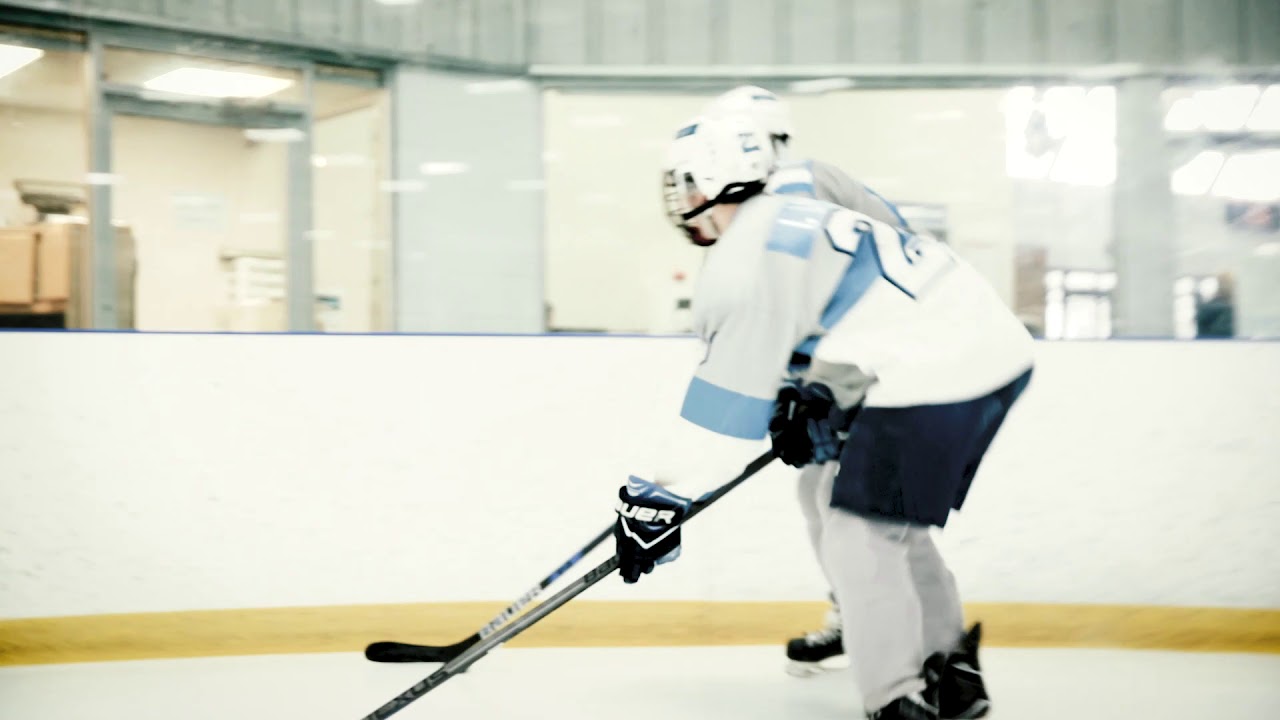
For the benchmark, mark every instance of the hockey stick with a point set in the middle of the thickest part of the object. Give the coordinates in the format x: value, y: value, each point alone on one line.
x: 524, y: 622
x: 398, y: 652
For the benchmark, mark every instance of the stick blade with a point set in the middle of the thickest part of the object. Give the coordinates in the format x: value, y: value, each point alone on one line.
x: 395, y: 652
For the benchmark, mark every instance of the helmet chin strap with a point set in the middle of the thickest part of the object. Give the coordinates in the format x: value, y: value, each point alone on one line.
x: 734, y: 193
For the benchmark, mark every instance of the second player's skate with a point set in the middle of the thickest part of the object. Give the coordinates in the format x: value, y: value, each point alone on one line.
x: 819, y: 651
x: 961, y: 693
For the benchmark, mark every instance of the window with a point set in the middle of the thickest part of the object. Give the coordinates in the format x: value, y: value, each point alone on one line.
x: 1064, y: 134
x: 1078, y: 304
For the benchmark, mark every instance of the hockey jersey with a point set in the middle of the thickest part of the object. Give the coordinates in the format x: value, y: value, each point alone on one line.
x: 826, y: 182
x: 798, y: 275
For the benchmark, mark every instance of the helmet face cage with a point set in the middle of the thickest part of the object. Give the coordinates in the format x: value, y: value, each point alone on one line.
x: 721, y: 160
x: 677, y: 189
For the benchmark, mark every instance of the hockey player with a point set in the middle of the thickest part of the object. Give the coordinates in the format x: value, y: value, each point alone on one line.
x: 946, y: 361
x: 809, y: 178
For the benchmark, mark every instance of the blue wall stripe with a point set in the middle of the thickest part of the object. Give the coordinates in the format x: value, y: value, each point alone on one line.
x: 726, y: 412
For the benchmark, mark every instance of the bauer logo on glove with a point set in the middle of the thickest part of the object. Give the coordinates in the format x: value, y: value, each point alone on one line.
x: 645, y: 514
x: 647, y: 531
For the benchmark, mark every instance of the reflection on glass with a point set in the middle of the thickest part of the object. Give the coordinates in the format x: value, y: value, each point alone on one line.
x: 16, y: 57
x: 351, y: 238
x: 1065, y: 134
x: 211, y: 245
x: 43, y: 191
x: 201, y: 77
x: 1266, y: 116
x: 1251, y: 176
x: 1078, y: 304
x: 1198, y: 175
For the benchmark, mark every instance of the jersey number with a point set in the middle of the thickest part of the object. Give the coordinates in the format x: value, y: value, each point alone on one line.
x: 910, y: 262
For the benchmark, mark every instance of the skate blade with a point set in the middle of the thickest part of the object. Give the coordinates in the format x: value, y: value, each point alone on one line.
x: 799, y: 669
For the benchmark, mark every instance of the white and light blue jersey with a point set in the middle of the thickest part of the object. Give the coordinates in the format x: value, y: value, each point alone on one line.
x: 794, y: 274
x: 826, y: 182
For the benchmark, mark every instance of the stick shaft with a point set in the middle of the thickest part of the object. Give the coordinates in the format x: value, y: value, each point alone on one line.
x: 388, y: 651
x: 574, y: 589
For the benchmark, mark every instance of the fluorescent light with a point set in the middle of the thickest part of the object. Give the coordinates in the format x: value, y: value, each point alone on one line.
x: 1184, y: 115
x: 443, y: 168
x: 1063, y: 107
x: 496, y: 87
x: 273, y: 135
x: 821, y: 85
x: 1226, y: 109
x: 1020, y: 162
x: 205, y: 82
x: 15, y: 57
x: 1085, y: 161
x: 1266, y: 116
x: 59, y: 219
x: 1251, y: 177
x: 1197, y: 176
x: 1100, y: 112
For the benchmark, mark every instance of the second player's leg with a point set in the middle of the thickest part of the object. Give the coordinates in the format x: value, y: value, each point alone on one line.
x: 869, y: 565
x: 816, y: 651
x: 942, y: 613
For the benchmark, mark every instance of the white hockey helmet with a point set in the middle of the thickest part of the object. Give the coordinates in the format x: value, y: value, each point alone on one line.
x: 713, y: 160
x: 767, y: 110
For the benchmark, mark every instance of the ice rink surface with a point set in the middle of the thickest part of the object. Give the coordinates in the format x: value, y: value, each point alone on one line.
x: 729, y: 683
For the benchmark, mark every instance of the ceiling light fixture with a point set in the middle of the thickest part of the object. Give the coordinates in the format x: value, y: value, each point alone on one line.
x: 15, y: 57
x: 205, y: 82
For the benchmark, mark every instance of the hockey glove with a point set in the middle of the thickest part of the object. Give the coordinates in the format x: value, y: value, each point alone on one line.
x: 807, y: 424
x: 646, y: 531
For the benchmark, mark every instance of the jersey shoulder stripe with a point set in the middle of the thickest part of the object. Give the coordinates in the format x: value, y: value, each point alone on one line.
x: 795, y: 226
x: 793, y: 179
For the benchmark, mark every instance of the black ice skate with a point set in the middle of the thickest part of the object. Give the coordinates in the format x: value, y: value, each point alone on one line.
x: 911, y: 707
x: 961, y: 692
x: 818, y: 651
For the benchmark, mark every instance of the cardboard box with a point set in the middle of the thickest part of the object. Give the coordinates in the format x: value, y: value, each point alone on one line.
x: 17, y: 266
x: 53, y: 261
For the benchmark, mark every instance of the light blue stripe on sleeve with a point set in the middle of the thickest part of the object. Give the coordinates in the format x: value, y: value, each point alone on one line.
x: 726, y: 412
x: 791, y: 239
x: 795, y: 227
x: 796, y: 188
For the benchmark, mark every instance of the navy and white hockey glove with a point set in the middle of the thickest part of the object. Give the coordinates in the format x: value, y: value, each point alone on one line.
x: 646, y: 532
x: 807, y: 424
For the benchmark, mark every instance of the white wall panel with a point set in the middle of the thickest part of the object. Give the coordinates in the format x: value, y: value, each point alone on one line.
x: 185, y: 471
